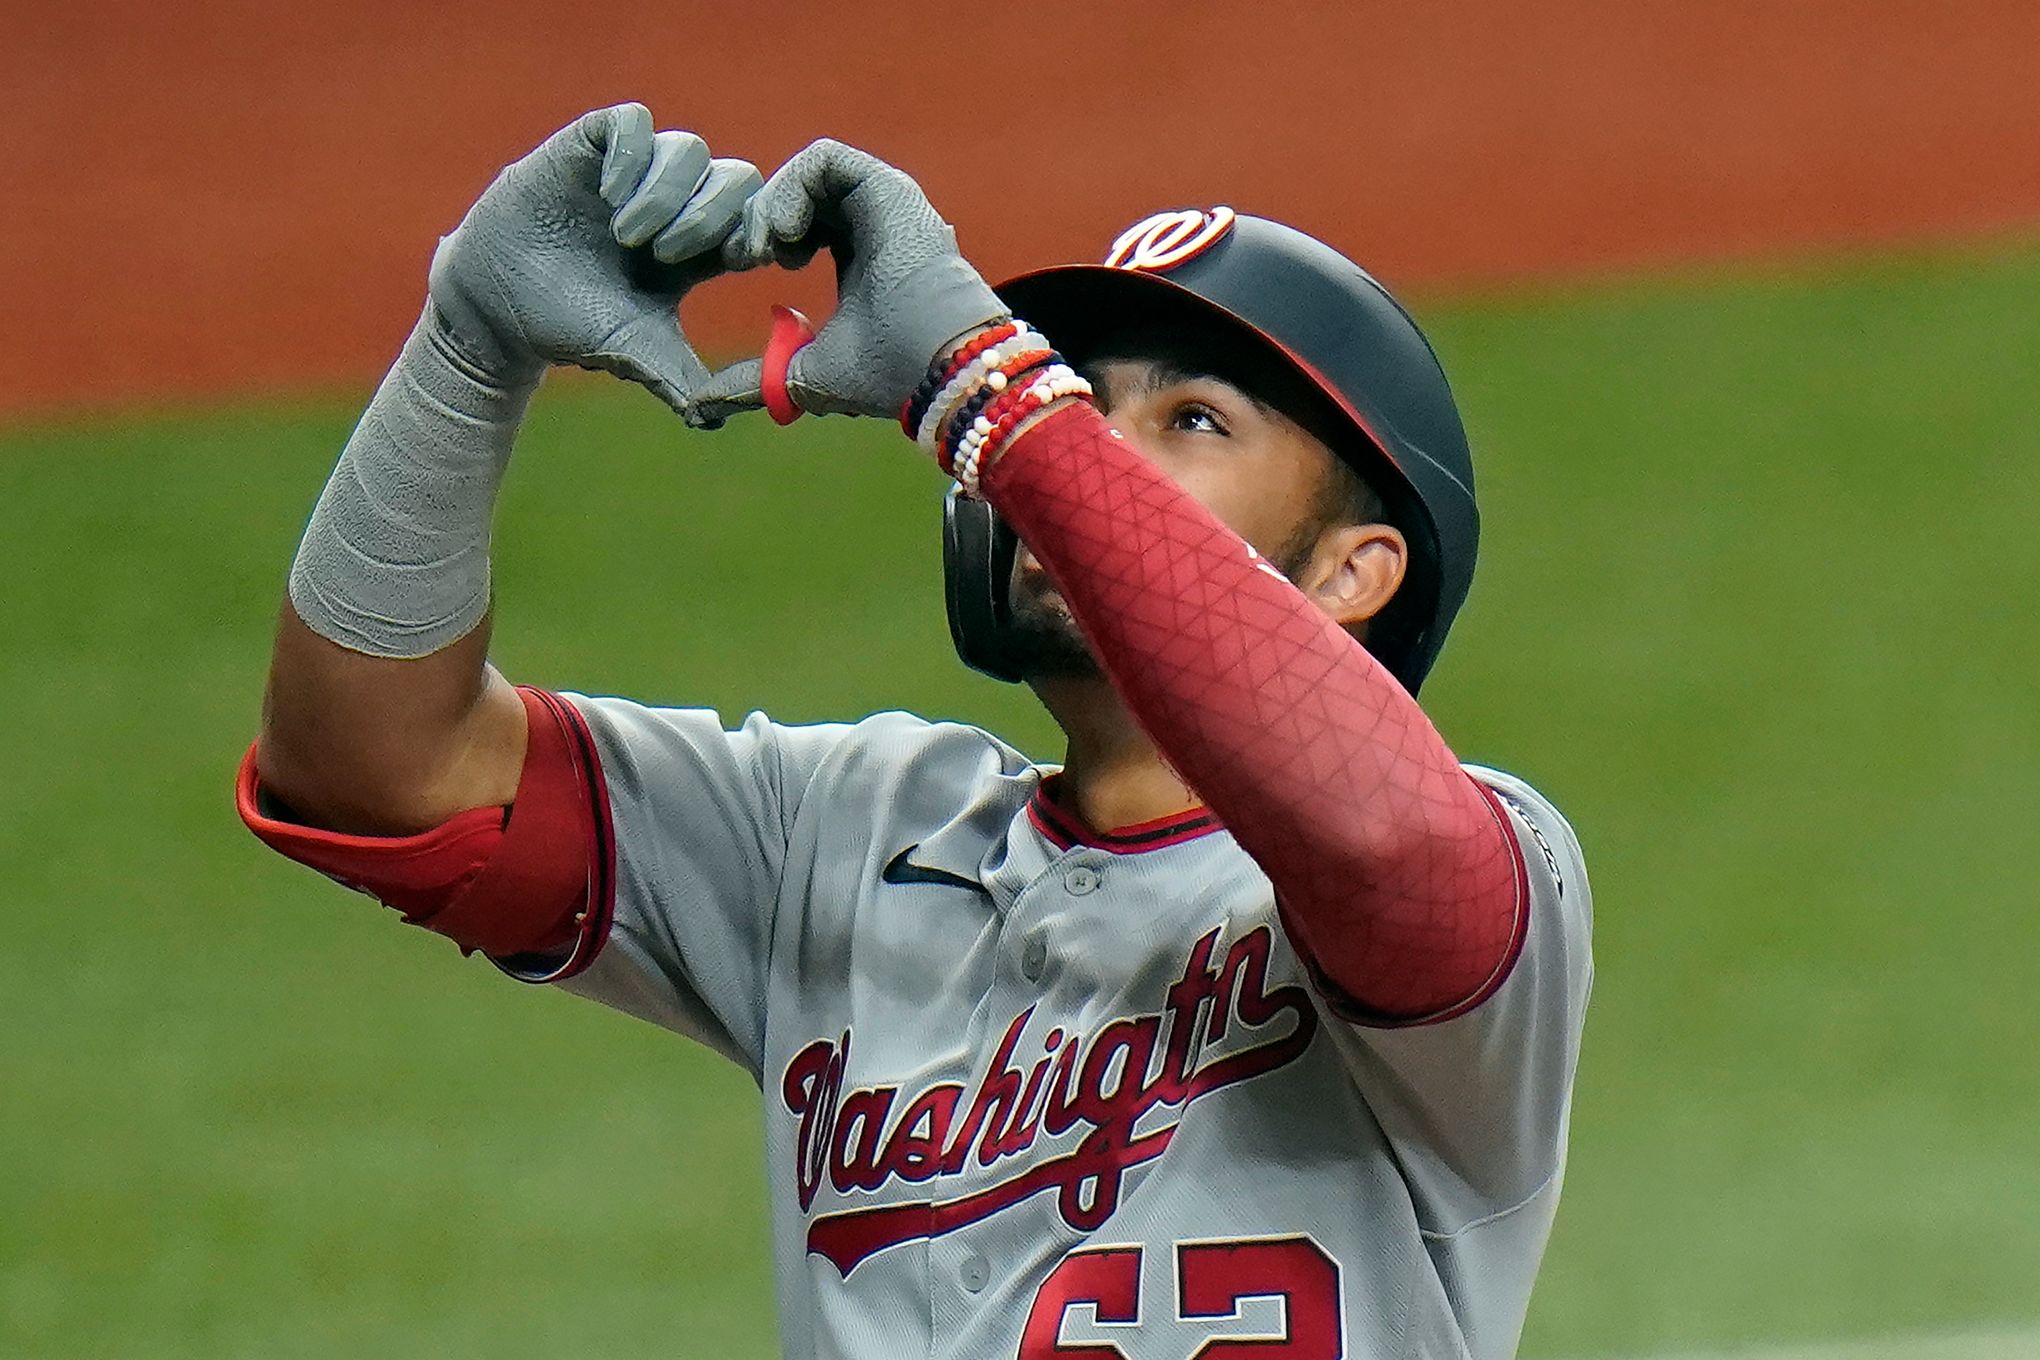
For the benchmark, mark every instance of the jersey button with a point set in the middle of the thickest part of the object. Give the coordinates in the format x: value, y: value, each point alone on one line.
x: 973, y: 1272
x: 1034, y: 959
x: 1081, y: 880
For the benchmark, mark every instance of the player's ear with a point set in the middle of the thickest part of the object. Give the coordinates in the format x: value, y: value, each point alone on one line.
x: 1356, y: 570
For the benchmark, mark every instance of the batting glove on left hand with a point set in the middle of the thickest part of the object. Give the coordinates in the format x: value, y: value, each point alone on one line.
x: 904, y: 296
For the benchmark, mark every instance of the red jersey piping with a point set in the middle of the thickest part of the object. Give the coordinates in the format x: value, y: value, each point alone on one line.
x: 1065, y: 831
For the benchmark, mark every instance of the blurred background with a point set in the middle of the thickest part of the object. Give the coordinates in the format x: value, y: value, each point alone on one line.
x: 1742, y: 303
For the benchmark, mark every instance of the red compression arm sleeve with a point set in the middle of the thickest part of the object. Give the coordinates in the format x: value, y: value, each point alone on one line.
x: 1396, y: 872
x: 527, y: 884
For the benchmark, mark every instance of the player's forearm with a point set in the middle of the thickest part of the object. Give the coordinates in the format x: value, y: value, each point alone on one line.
x: 381, y: 713
x: 382, y: 707
x: 1390, y: 862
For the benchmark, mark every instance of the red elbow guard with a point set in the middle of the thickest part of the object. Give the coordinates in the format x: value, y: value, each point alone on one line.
x: 530, y: 879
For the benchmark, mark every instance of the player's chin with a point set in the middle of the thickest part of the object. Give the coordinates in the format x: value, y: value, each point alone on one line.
x: 1046, y: 640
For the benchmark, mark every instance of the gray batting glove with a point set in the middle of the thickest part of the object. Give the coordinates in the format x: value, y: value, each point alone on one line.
x: 579, y: 253
x: 903, y: 294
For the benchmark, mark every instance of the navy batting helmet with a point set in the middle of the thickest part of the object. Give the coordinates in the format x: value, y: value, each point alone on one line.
x: 1309, y: 306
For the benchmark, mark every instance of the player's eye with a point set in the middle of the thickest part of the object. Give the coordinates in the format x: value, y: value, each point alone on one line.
x: 1194, y: 417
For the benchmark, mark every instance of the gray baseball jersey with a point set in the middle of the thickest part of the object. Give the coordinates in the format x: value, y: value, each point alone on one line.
x: 1035, y: 1093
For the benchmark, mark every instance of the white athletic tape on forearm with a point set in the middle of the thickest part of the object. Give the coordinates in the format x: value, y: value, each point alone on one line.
x: 395, y: 560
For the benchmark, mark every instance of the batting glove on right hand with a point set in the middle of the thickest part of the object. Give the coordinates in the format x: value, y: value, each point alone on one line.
x: 580, y: 252
x: 904, y: 295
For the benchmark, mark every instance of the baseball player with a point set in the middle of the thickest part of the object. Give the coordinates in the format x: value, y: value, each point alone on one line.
x: 1249, y: 1030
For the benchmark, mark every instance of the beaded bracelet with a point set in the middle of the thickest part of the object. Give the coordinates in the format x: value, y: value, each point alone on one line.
x: 943, y: 376
x: 961, y: 382
x: 971, y: 348
x: 997, y: 380
x: 940, y: 374
x: 1002, y: 414
x: 968, y: 378
x: 975, y: 374
x: 1006, y: 411
x: 985, y: 441
x: 996, y: 410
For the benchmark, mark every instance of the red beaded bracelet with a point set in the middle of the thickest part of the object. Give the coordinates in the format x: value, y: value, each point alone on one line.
x: 975, y: 346
x: 1009, y: 370
x: 1013, y: 374
x: 1010, y: 419
x: 916, y: 404
x: 1010, y: 407
x: 983, y: 441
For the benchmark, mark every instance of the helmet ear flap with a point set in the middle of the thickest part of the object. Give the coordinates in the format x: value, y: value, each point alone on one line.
x: 978, y: 552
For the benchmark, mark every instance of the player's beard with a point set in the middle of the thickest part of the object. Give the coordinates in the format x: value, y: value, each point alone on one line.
x: 1045, y: 637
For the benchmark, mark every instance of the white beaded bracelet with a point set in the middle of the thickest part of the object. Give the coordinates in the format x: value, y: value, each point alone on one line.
x: 975, y: 452
x: 1039, y: 383
x: 981, y: 372
x: 977, y: 373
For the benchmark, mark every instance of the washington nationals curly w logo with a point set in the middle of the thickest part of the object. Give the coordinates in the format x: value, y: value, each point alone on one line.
x: 1169, y: 238
x: 1104, y: 1082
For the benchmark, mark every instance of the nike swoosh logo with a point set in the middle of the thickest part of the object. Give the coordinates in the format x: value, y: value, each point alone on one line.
x: 901, y: 869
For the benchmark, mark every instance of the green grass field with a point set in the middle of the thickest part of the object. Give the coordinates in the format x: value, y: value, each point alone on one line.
x: 1757, y: 608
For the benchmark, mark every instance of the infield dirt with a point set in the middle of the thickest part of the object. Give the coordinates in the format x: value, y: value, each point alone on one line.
x: 234, y: 197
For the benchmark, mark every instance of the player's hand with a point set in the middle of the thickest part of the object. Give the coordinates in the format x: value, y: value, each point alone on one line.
x: 903, y: 294
x: 579, y: 253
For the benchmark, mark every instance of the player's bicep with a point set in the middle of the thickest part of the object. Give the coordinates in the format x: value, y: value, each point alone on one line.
x: 1476, y: 1105
x: 387, y: 747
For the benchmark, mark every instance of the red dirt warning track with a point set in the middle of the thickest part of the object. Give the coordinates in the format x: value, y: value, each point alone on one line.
x: 222, y: 197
